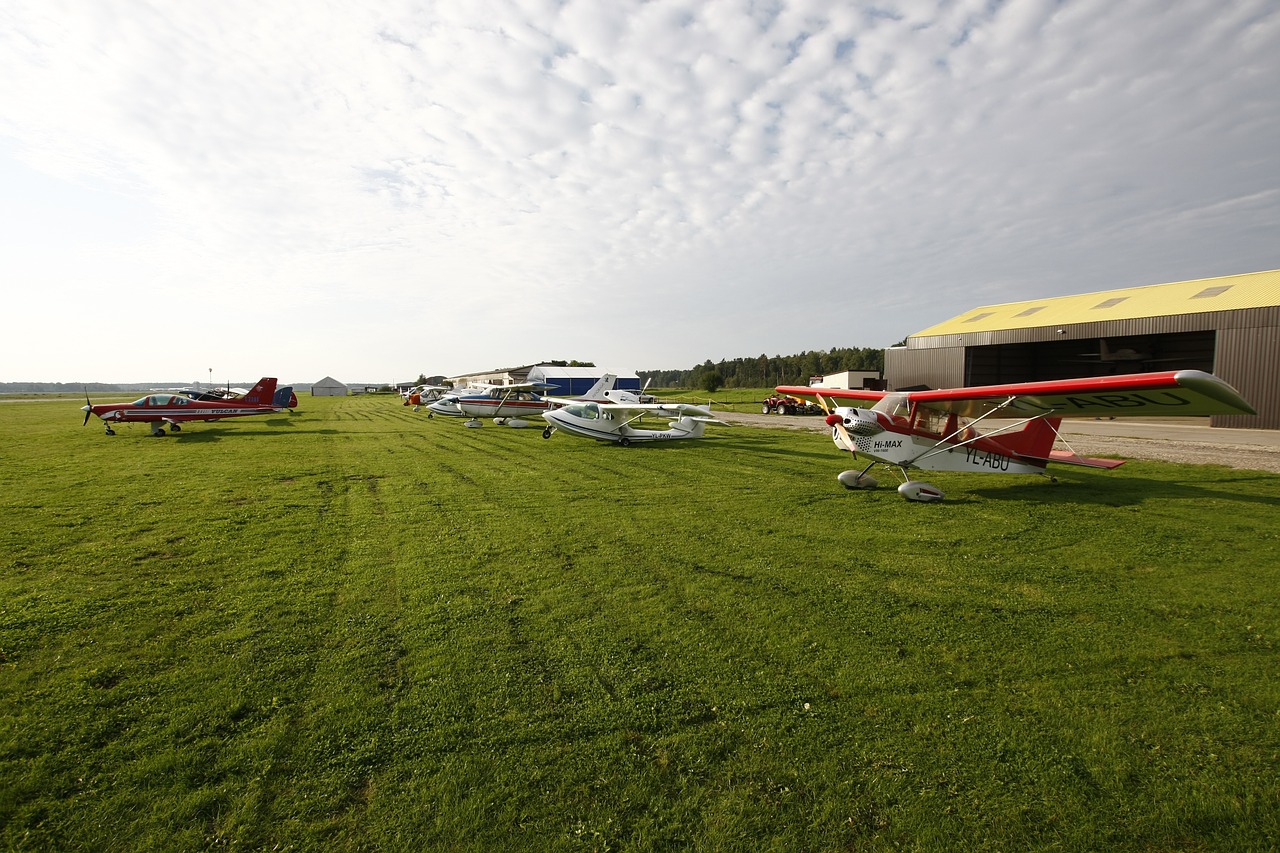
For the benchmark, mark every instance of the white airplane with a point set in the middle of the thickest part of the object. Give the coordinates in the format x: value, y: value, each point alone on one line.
x: 613, y: 421
x: 446, y: 403
x: 423, y: 395
x: 507, y: 403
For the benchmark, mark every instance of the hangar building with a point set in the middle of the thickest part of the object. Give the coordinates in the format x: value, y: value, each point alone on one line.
x: 1228, y: 326
x: 328, y: 387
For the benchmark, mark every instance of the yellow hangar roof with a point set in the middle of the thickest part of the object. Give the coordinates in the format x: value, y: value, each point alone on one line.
x: 1228, y: 293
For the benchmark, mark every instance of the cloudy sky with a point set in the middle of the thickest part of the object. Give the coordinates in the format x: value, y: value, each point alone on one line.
x: 379, y: 189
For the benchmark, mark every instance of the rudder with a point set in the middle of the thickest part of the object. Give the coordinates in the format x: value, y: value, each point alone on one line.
x: 262, y: 394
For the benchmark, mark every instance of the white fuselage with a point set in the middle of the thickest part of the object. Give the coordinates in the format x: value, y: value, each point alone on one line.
x: 909, y: 450
x: 499, y: 404
x: 589, y: 421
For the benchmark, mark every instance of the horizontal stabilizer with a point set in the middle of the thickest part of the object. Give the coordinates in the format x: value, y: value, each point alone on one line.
x: 1066, y: 457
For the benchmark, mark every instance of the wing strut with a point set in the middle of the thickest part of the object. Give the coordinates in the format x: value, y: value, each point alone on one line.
x: 938, y: 445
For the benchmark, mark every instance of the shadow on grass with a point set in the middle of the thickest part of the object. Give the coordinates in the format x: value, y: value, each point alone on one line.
x: 760, y: 448
x: 219, y: 433
x: 1133, y: 490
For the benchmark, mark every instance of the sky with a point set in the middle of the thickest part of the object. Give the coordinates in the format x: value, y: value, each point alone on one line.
x: 383, y: 189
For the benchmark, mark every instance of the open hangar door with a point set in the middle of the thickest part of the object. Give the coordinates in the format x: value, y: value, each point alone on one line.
x: 1059, y: 358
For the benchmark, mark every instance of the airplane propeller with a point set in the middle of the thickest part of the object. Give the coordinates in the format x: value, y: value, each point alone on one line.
x: 88, y: 407
x: 848, y: 479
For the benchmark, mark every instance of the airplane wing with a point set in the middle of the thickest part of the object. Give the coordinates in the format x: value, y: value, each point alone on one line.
x: 1177, y: 393
x: 840, y: 393
x: 631, y: 411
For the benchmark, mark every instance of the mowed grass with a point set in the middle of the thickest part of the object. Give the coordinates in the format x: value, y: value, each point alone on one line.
x: 355, y: 628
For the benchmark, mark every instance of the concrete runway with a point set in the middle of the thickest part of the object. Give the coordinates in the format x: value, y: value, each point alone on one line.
x: 1171, y: 429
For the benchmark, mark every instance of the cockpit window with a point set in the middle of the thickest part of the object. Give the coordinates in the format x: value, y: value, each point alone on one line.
x: 156, y: 401
x: 587, y: 411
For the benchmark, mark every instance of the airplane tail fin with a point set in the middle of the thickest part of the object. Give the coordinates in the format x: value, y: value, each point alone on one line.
x: 1035, y: 440
x: 604, y: 383
x: 262, y: 394
x: 695, y: 427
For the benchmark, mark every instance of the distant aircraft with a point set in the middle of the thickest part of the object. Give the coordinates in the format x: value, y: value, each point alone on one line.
x: 175, y: 409
x: 420, y: 395
x: 614, y: 421
x: 507, y: 403
x: 931, y: 430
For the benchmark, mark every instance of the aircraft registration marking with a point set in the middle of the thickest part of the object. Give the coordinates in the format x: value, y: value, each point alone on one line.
x: 985, y: 459
x: 1165, y: 399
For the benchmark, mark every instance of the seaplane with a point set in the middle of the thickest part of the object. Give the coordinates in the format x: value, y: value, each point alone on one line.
x: 508, y: 404
x: 617, y: 421
x: 173, y: 410
x: 937, y: 430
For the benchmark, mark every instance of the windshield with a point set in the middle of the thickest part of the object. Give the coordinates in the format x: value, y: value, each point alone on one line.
x: 586, y: 411
x: 157, y: 400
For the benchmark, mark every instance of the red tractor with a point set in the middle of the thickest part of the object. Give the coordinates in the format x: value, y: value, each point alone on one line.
x: 788, y: 405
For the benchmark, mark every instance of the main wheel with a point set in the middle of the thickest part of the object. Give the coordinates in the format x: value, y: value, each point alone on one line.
x: 624, y: 441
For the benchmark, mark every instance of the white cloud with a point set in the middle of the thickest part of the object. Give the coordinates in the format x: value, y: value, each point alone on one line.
x: 433, y: 188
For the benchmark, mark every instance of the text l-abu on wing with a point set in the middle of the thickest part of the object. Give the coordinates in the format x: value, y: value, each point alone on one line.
x: 1172, y: 393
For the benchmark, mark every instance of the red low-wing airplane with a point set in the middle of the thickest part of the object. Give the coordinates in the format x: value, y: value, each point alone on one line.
x: 935, y: 430
x: 174, y: 409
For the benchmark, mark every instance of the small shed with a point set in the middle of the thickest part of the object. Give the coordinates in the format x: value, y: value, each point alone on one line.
x: 850, y: 379
x: 328, y: 387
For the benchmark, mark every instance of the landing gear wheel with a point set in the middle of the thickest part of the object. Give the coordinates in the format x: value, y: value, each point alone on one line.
x: 110, y: 431
x: 546, y: 433
x: 175, y: 428
x: 158, y: 433
x: 624, y: 441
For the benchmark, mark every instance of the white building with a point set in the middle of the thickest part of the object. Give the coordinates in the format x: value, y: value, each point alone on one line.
x: 328, y: 387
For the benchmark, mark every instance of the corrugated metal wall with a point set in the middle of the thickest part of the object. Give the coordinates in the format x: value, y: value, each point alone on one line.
x: 908, y: 367
x: 1247, y: 354
x: 1249, y: 358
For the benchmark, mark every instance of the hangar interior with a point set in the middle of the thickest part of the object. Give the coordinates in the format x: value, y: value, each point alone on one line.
x: 1228, y: 326
x: 1067, y: 358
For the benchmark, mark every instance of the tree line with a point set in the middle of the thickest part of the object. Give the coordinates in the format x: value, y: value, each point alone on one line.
x: 765, y: 371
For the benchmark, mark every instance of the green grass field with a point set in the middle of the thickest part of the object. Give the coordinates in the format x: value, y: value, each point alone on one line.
x: 353, y: 629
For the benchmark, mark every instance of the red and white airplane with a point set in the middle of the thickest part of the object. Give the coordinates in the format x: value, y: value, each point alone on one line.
x: 935, y: 430
x: 175, y: 409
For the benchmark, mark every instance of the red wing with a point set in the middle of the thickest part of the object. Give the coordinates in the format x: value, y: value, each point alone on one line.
x: 1180, y: 393
x: 841, y: 393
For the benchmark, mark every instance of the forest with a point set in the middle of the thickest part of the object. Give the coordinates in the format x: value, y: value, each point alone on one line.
x: 765, y: 371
